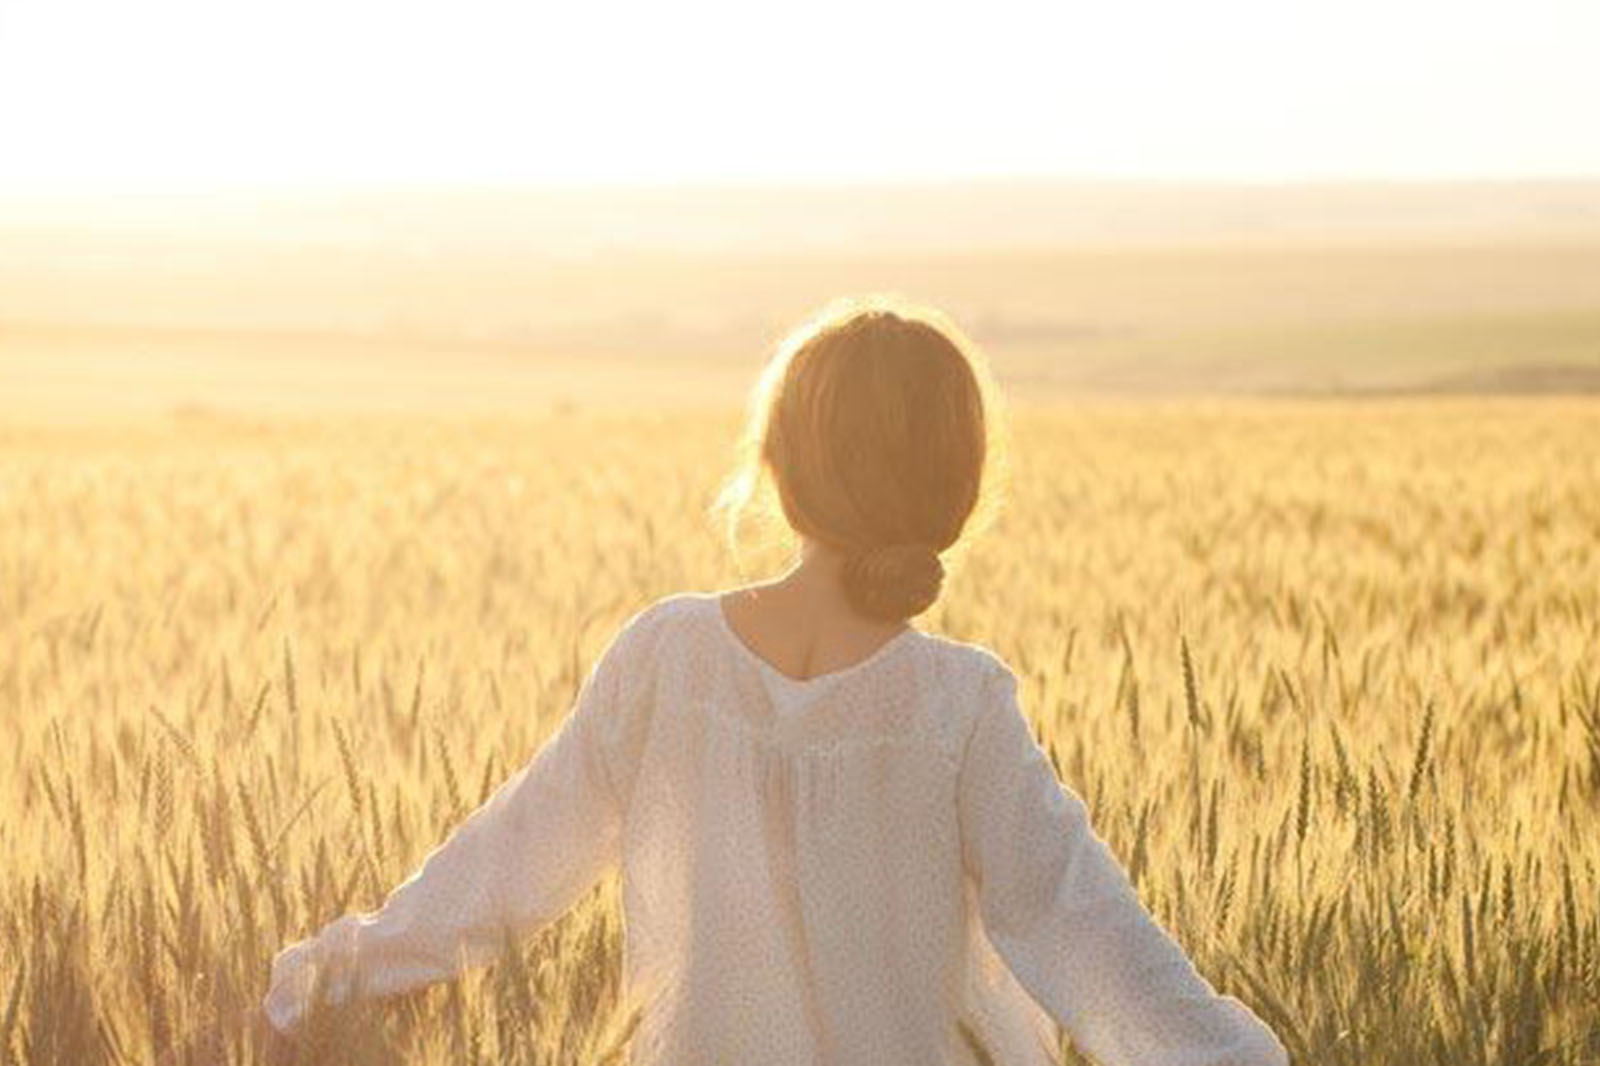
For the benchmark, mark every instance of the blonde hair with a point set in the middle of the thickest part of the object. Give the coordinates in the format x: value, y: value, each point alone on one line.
x: 878, y: 425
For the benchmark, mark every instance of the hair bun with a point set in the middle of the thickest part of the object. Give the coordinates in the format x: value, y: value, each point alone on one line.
x: 893, y: 581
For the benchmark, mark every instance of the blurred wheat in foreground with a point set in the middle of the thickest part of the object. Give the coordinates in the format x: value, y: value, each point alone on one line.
x: 1328, y: 676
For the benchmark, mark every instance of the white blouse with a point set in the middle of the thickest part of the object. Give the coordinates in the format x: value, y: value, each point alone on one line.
x: 828, y: 872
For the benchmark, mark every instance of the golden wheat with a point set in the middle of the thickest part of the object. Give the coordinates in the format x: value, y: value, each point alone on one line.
x: 1328, y: 676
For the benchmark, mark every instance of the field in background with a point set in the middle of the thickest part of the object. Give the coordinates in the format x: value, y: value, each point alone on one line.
x: 1326, y: 673
x: 516, y: 303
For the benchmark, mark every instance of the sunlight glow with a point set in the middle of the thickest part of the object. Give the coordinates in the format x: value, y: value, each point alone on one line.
x: 315, y: 91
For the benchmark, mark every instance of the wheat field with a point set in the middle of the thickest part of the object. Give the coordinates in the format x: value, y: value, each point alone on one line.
x: 1327, y: 673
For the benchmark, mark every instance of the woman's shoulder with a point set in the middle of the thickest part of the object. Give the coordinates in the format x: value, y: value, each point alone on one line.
x: 675, y: 618
x: 969, y: 658
x: 658, y: 616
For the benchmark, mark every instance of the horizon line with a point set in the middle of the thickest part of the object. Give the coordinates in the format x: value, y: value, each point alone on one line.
x: 77, y: 188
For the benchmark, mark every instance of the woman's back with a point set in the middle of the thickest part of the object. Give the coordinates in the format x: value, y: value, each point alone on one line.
x: 817, y: 882
x: 792, y: 872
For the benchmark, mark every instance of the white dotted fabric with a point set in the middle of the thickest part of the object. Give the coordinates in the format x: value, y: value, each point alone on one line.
x: 829, y: 872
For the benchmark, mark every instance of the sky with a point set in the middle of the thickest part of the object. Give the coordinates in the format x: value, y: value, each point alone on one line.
x: 214, y: 93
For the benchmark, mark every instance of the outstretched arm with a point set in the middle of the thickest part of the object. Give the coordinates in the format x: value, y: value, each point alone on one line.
x: 1060, y: 910
x: 515, y: 864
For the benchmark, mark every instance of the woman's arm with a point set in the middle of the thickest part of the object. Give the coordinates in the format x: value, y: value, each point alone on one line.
x: 515, y: 864
x: 1061, y: 911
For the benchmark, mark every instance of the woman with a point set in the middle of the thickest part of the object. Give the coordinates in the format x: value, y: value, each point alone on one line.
x: 840, y: 843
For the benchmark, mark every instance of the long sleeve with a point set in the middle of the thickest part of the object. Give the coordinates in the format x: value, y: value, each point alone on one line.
x: 1061, y: 911
x: 513, y: 865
